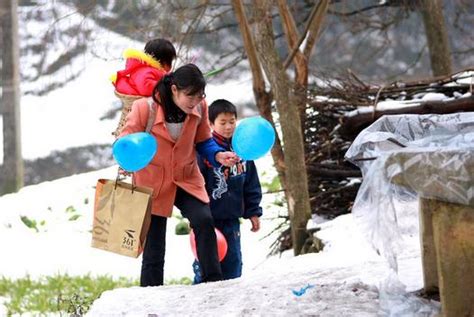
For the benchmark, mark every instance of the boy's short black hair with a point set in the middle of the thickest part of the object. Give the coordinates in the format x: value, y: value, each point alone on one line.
x: 221, y: 106
x: 161, y: 50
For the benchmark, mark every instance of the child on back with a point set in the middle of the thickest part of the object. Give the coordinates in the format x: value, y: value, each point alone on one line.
x: 234, y: 192
x: 143, y: 70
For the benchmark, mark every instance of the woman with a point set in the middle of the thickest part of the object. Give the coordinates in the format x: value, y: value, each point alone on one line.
x: 180, y: 127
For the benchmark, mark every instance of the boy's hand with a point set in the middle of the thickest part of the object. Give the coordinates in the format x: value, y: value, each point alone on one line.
x: 255, y: 220
x: 227, y: 158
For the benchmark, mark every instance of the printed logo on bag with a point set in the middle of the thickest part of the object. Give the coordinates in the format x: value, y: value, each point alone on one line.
x: 128, y: 241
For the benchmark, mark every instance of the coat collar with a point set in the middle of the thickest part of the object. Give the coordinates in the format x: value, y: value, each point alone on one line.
x: 160, y: 122
x: 160, y: 114
x: 222, y: 141
x: 142, y: 57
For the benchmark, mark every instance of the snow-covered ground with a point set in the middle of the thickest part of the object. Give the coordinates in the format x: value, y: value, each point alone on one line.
x: 346, y: 279
x: 63, y: 211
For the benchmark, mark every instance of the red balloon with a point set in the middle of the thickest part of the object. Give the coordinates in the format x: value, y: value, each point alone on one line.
x: 221, y: 244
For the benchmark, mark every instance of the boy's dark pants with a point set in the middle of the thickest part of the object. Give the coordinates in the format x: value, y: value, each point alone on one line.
x: 231, y: 265
x: 200, y: 219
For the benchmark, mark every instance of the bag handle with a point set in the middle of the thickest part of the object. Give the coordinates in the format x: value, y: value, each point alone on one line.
x: 121, y: 177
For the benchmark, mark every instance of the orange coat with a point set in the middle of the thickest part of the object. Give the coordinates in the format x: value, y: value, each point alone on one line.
x: 174, y: 163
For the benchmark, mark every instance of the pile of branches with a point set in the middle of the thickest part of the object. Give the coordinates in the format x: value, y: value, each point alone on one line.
x: 333, y: 182
x: 365, y: 98
x: 350, y: 105
x: 340, y: 109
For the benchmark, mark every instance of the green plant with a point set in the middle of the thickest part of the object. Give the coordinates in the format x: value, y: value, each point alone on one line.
x: 74, y: 217
x: 75, y: 305
x: 70, y: 209
x: 30, y: 223
x: 182, y: 228
x: 280, y: 202
x: 177, y: 215
x: 56, y: 294
x: 181, y: 281
x: 273, y: 186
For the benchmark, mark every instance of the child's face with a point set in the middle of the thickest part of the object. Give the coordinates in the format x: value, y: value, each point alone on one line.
x: 225, y: 124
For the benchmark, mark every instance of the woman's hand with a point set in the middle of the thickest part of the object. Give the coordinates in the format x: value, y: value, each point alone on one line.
x: 124, y: 173
x: 227, y: 158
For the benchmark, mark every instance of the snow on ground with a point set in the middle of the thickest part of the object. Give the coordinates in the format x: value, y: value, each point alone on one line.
x: 345, y: 277
x: 62, y: 243
x: 343, y: 280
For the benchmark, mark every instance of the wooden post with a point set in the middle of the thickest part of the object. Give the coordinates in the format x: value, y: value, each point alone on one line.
x: 12, y: 169
x: 453, y: 229
x: 428, y: 251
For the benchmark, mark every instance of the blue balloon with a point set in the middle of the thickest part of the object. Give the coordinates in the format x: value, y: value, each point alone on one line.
x: 134, y: 151
x: 253, y: 138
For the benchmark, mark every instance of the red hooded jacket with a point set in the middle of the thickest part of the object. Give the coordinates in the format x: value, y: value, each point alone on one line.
x: 142, y: 72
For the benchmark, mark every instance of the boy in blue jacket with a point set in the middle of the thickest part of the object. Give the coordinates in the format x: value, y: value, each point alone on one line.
x: 234, y: 192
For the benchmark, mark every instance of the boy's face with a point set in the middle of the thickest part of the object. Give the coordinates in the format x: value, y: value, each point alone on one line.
x: 225, y: 124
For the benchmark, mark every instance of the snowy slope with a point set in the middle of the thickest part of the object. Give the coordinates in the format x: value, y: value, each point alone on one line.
x: 346, y: 276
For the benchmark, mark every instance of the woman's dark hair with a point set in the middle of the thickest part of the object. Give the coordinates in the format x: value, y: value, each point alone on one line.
x: 162, y: 50
x: 221, y: 106
x: 188, y: 78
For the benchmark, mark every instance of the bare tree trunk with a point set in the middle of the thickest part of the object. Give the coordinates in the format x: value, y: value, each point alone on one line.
x: 297, y: 191
x: 262, y: 97
x: 436, y: 36
x: 12, y: 171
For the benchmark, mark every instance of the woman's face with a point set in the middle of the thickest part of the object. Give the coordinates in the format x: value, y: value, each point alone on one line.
x: 184, y: 100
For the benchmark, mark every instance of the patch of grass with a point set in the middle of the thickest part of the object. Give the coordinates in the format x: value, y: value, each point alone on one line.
x: 56, y: 294
x: 181, y: 281
x: 273, y: 186
x: 62, y: 294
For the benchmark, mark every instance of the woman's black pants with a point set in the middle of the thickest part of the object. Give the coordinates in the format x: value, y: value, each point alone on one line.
x: 200, y: 219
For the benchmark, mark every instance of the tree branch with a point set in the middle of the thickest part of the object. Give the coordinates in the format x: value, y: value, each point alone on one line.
x: 315, y: 27
x: 296, y: 48
x: 291, y: 33
x: 348, y: 14
x: 257, y: 75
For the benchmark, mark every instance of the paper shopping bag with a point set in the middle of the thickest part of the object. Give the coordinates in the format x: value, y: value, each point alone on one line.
x: 122, y: 214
